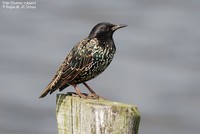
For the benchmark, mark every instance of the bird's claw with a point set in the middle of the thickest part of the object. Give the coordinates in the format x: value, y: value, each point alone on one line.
x: 86, y: 96
x: 94, y: 96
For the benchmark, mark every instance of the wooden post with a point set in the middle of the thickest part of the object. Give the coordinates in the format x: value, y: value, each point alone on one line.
x: 88, y: 116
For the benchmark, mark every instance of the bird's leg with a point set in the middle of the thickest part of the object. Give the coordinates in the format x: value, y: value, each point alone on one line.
x: 89, y: 88
x: 78, y: 91
x: 93, y: 95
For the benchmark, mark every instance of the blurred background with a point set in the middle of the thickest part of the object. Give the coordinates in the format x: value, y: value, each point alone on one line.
x: 156, y: 67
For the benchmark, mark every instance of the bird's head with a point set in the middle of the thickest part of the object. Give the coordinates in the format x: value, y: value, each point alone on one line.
x: 104, y: 30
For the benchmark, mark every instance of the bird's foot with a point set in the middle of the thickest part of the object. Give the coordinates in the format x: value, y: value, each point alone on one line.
x: 82, y: 95
x: 94, y: 96
x: 85, y: 96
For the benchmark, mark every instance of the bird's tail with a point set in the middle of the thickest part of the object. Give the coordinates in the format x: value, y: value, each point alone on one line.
x: 46, y: 91
x: 53, y: 86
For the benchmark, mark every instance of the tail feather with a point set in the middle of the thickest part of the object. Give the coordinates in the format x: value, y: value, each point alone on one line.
x: 53, y: 86
x: 46, y: 91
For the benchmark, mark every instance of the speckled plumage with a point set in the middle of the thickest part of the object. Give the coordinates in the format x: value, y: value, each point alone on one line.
x: 86, y: 60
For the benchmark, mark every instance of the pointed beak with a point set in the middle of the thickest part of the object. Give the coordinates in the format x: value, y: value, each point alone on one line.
x: 115, y: 27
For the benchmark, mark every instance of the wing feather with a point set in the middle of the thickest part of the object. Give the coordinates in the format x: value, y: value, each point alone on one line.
x: 77, y: 60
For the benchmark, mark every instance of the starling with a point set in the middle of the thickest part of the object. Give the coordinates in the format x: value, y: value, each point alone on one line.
x: 86, y: 60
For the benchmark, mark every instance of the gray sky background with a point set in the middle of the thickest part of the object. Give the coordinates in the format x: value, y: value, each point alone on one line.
x: 156, y: 67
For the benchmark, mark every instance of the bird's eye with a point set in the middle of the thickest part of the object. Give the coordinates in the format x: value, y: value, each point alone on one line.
x: 103, y: 29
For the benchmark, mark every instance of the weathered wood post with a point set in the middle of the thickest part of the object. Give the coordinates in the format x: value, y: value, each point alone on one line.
x: 88, y: 116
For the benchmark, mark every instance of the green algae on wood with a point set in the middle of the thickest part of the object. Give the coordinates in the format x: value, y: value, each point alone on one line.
x: 88, y: 116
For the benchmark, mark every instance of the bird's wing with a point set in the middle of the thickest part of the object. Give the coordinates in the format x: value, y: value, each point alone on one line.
x: 77, y: 60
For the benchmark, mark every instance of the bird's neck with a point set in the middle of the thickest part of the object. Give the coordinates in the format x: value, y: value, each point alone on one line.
x: 105, y: 38
x: 106, y: 43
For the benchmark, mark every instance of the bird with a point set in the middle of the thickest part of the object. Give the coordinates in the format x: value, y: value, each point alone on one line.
x: 87, y: 59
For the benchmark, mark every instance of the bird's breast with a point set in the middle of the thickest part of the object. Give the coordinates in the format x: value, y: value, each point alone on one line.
x: 102, y: 55
x: 100, y: 61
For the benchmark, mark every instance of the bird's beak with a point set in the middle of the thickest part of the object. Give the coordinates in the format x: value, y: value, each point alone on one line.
x: 115, y: 27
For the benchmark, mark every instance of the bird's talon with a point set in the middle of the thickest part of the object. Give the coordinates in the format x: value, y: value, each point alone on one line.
x: 93, y: 96
x: 83, y: 96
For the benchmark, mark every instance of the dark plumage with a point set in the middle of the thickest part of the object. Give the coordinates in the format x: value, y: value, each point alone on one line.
x: 87, y: 59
